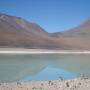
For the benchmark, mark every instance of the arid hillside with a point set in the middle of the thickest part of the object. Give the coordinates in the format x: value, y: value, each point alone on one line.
x: 19, y: 33
x: 77, y: 38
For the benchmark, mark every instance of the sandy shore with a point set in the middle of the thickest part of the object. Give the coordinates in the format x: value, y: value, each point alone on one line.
x: 75, y: 84
x: 40, y: 51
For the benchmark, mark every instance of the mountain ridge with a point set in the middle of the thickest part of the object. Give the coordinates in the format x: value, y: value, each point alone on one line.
x: 18, y: 32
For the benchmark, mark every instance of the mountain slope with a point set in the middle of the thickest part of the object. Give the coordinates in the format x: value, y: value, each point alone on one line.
x: 17, y: 32
x: 83, y: 30
x: 76, y: 38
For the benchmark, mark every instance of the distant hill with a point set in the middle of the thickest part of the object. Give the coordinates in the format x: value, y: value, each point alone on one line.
x: 76, y: 38
x: 19, y: 33
x: 82, y: 30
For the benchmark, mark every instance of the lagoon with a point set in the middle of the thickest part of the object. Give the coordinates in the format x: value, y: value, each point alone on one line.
x: 43, y: 66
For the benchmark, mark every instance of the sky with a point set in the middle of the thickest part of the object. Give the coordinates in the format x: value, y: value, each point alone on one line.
x: 51, y: 15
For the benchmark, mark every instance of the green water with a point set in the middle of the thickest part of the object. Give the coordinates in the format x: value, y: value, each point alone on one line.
x: 14, y: 67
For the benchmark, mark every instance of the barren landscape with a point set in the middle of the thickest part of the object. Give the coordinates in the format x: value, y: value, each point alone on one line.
x: 45, y: 45
x: 15, y: 32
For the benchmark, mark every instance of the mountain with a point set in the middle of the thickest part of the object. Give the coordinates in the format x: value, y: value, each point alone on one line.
x: 76, y: 38
x: 81, y: 30
x: 16, y: 32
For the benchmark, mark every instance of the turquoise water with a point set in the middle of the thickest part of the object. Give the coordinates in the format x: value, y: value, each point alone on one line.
x: 51, y: 73
x: 43, y: 66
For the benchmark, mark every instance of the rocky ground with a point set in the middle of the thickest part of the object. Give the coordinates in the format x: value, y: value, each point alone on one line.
x: 75, y: 84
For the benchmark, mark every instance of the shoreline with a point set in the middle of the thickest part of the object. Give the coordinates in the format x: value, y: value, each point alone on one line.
x: 74, y: 84
x: 40, y: 51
